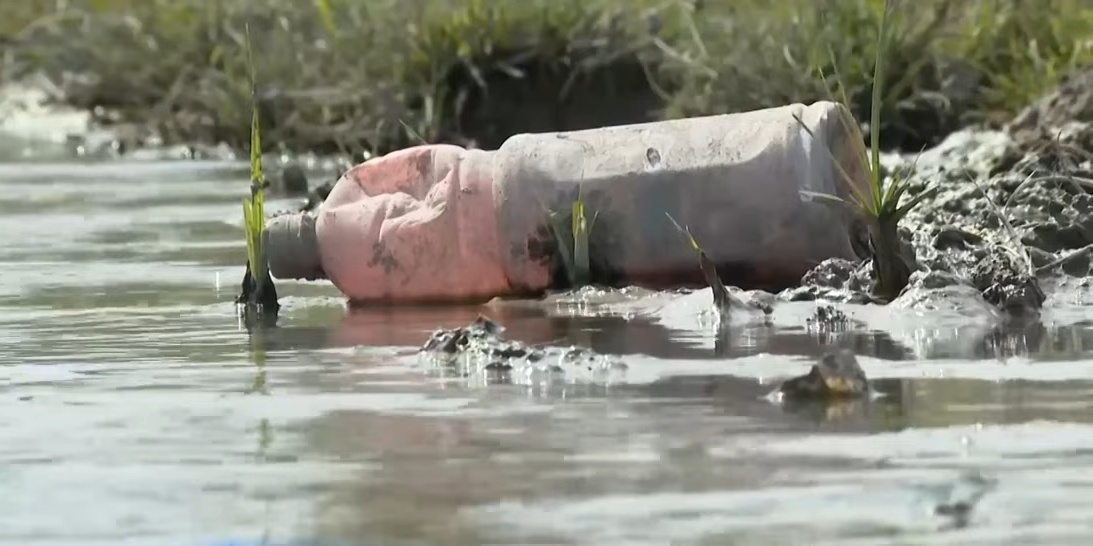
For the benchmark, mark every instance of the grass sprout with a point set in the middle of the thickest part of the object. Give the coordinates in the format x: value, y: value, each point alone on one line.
x: 254, y: 206
x: 572, y: 240
x: 258, y: 290
x: 722, y: 300
x: 880, y: 202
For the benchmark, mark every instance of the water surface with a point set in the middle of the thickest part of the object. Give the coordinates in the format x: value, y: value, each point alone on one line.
x: 139, y: 411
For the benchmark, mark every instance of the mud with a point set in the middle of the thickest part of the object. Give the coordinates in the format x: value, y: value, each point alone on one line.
x: 481, y: 350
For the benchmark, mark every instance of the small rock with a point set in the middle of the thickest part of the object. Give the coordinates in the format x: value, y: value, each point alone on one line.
x: 952, y: 237
x: 837, y: 375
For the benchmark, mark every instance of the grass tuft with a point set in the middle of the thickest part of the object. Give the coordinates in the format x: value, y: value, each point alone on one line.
x: 572, y: 241
x: 881, y: 205
x: 258, y: 292
x: 253, y: 207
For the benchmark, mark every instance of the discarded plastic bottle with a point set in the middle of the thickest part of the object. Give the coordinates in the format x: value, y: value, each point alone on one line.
x: 440, y: 223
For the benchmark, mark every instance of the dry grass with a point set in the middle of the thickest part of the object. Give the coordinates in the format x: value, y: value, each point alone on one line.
x: 353, y: 74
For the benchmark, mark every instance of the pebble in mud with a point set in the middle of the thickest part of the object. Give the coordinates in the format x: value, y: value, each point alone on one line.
x: 480, y: 348
x: 837, y: 375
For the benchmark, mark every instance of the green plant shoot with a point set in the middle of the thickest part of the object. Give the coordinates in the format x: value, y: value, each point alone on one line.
x: 880, y: 205
x: 573, y: 243
x: 722, y: 300
x: 253, y: 206
x: 326, y: 15
x: 562, y: 242
x: 582, y: 228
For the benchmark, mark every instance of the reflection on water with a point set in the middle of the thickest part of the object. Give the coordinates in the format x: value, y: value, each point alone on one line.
x: 142, y: 411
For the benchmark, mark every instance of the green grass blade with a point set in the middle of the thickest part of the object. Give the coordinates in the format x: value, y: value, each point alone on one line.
x: 856, y: 193
x: 326, y: 15
x: 1015, y: 238
x: 254, y: 207
x: 255, y: 128
x: 875, y: 107
x: 850, y: 125
x: 686, y: 233
x: 252, y: 250
x: 828, y: 199
x: 722, y: 300
x: 900, y: 212
x: 412, y: 133
x: 579, y: 225
x: 843, y: 98
x: 565, y: 250
x: 563, y: 241
x: 893, y: 192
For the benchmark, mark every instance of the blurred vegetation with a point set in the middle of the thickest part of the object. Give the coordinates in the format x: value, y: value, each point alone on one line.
x: 375, y: 75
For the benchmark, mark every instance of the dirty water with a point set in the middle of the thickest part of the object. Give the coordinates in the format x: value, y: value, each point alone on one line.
x: 137, y: 410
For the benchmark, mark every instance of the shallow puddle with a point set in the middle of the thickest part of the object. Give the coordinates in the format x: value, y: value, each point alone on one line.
x: 139, y: 411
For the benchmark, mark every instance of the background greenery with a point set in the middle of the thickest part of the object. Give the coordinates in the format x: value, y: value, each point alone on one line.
x: 378, y: 74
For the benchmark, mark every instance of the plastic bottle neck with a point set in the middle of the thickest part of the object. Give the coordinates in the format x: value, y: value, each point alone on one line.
x: 291, y: 246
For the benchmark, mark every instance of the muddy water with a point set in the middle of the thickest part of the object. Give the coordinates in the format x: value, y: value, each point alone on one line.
x: 136, y: 409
